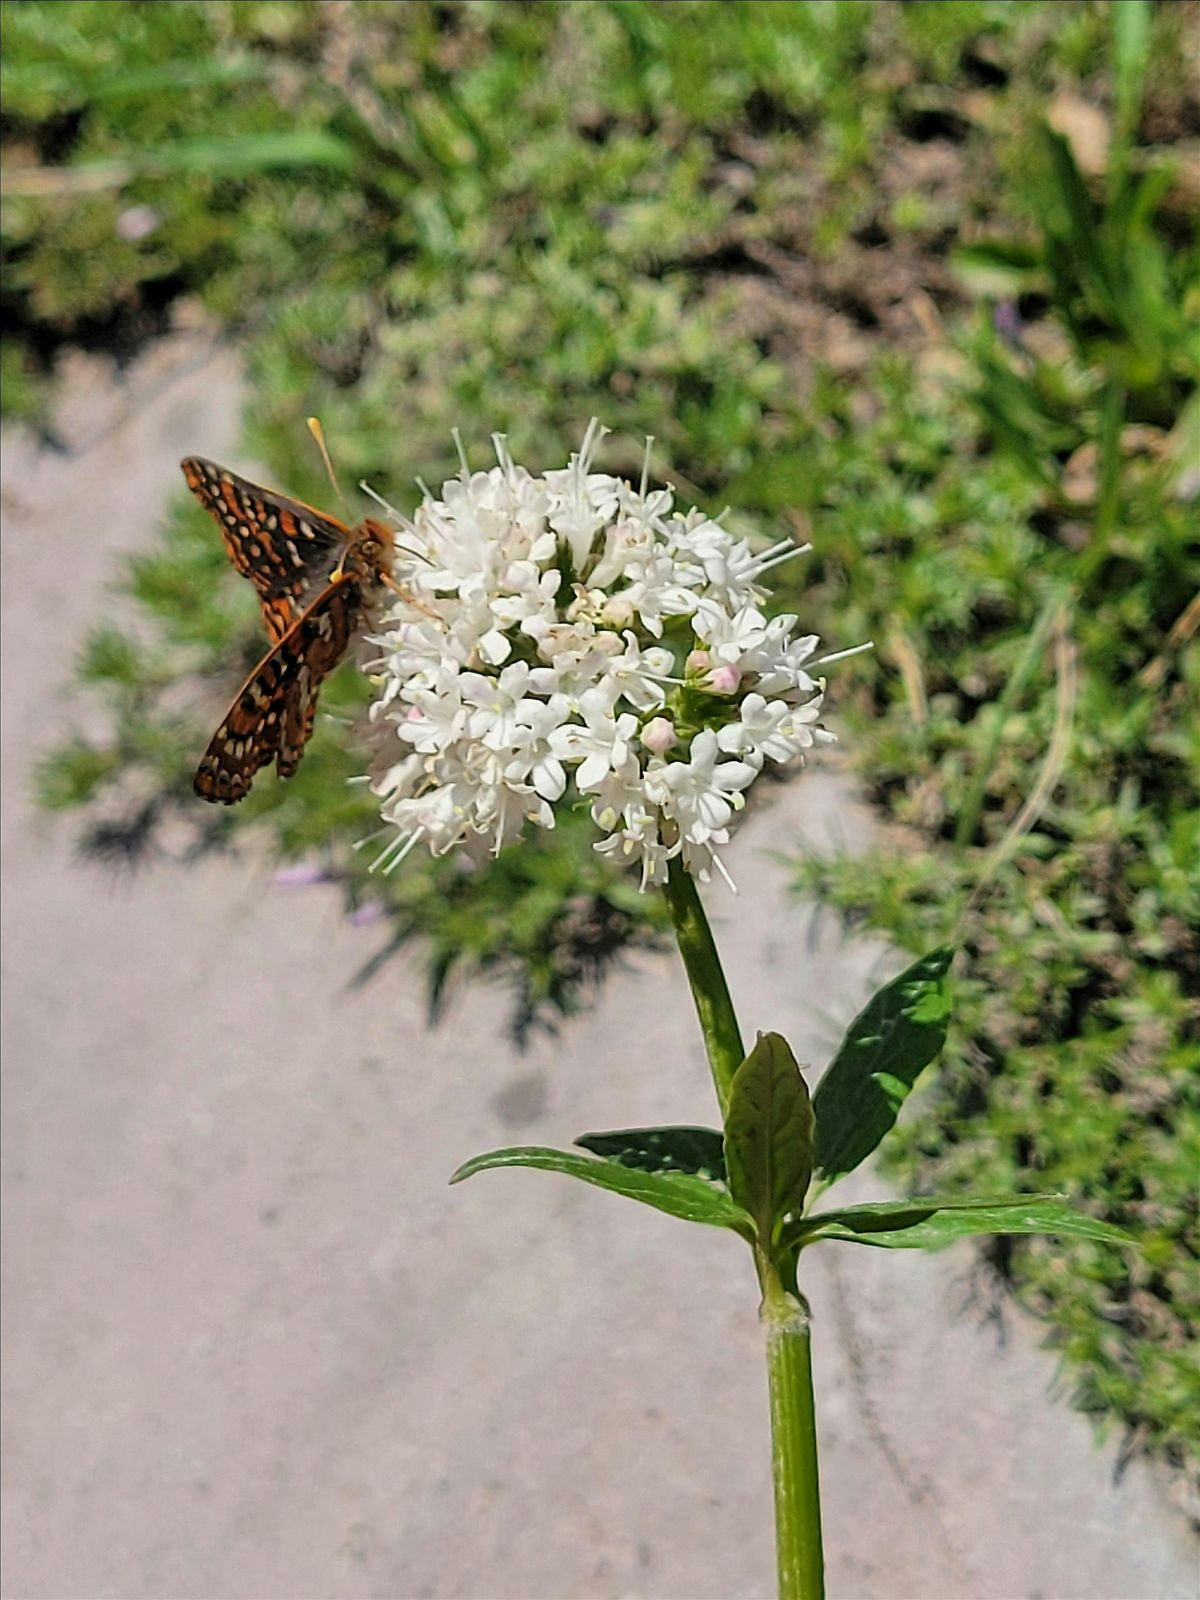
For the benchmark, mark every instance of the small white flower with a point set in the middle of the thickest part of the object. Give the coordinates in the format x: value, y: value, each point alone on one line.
x: 780, y: 668
x: 701, y: 795
x: 442, y: 814
x: 503, y: 809
x: 395, y: 781
x: 527, y: 598
x: 494, y: 703
x: 530, y: 756
x: 434, y: 720
x: 639, y: 844
x: 730, y: 638
x: 659, y: 589
x: 772, y: 728
x: 637, y: 675
x: 600, y: 744
x: 582, y: 501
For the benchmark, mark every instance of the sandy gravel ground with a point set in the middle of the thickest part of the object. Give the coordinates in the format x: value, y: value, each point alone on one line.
x: 255, y: 1347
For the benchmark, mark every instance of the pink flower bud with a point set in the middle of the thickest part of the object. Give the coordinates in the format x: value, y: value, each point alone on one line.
x: 697, y: 662
x: 658, y: 735
x: 724, y: 680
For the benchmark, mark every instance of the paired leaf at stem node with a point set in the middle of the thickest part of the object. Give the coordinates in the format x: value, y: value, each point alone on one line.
x: 756, y: 1177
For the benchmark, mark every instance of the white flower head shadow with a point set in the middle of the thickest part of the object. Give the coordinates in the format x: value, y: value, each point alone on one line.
x: 580, y: 641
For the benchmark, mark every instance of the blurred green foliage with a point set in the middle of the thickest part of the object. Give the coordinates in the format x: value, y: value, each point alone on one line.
x: 833, y: 257
x: 1069, y: 507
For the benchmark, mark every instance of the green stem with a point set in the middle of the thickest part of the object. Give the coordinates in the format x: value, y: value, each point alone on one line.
x: 722, y: 1037
x: 1108, y: 498
x: 794, y: 1450
x: 789, y: 1360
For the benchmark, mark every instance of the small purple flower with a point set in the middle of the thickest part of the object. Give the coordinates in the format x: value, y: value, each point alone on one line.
x: 364, y: 915
x: 1006, y: 320
x: 303, y: 876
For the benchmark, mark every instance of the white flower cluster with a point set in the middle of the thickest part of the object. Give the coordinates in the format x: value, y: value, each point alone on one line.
x: 570, y: 636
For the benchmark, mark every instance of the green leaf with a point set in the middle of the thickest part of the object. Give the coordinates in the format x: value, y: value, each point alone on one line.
x: 222, y: 155
x: 697, y: 1150
x: 679, y: 1194
x: 929, y: 1223
x: 887, y: 1046
x: 769, y: 1135
x: 1131, y: 22
x: 71, y: 87
x: 217, y: 156
x: 997, y: 267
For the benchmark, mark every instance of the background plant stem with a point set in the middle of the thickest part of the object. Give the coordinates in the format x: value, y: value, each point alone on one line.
x: 794, y: 1450
x: 789, y: 1360
x: 972, y: 807
x: 718, y: 1023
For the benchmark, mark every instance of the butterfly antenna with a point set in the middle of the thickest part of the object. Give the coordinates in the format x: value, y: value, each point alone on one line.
x: 318, y: 433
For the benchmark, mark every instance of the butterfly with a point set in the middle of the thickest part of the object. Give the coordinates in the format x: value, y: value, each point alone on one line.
x: 288, y: 550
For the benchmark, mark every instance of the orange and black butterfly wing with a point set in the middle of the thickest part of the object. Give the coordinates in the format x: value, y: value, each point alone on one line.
x: 272, y: 715
x: 327, y: 628
x: 283, y: 546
